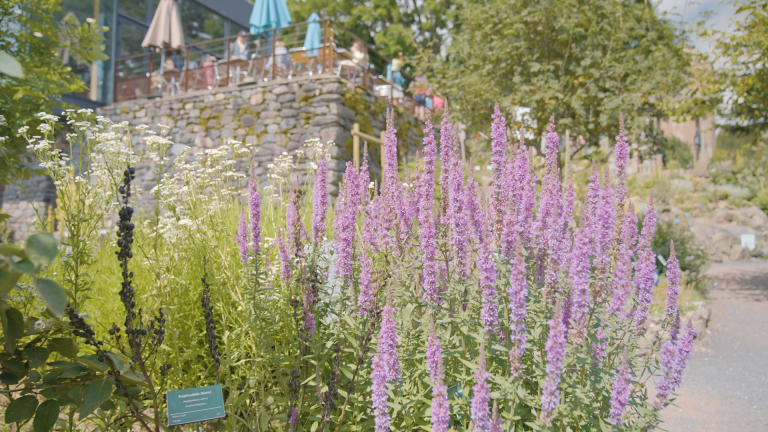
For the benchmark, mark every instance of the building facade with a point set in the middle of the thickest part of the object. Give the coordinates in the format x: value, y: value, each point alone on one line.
x: 126, y: 22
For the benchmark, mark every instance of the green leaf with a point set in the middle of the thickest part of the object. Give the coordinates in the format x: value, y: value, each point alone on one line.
x: 10, y: 66
x: 13, y: 327
x: 9, y: 250
x: 264, y: 420
x: 8, y: 378
x: 97, y: 393
x: 8, y: 280
x: 34, y: 376
x: 14, y: 366
x: 46, y: 416
x: 36, y: 356
x: 74, y: 371
x: 27, y: 266
x: 63, y: 346
x: 42, y: 248
x: 53, y: 295
x: 21, y: 409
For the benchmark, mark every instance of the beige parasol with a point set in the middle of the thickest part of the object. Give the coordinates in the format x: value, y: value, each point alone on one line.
x: 165, y: 32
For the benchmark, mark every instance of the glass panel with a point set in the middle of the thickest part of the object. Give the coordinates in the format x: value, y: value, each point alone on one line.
x: 80, y: 9
x: 200, y: 24
x: 136, y: 9
x: 130, y: 39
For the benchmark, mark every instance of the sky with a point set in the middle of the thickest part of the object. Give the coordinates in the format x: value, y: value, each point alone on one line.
x: 691, y: 11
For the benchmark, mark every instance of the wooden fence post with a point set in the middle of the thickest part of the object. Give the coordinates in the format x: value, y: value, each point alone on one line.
x: 356, y: 145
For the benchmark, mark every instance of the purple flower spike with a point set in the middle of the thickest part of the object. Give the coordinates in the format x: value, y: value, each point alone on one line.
x: 496, y: 422
x: 598, y: 348
x: 518, y: 292
x: 446, y: 165
x: 379, y: 392
x: 481, y: 396
x: 672, y: 312
x: 434, y: 354
x: 684, y: 347
x: 622, y: 273
x: 621, y: 391
x: 320, y: 199
x: 579, y: 300
x: 365, y: 301
x: 427, y: 228
x: 254, y: 205
x: 293, y: 418
x: 441, y: 416
x: 622, y: 159
x: 499, y: 163
x: 388, y: 343
x: 241, y: 237
x: 668, y: 363
x: 344, y: 224
x: 489, y: 314
x: 546, y: 227
x: 555, y: 354
x: 285, y: 259
x: 645, y: 268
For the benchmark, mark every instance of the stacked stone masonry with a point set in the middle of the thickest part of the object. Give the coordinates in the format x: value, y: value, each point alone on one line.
x: 276, y: 117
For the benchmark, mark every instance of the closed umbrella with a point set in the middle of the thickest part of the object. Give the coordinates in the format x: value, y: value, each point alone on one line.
x: 165, y: 31
x: 313, y: 38
x: 268, y: 14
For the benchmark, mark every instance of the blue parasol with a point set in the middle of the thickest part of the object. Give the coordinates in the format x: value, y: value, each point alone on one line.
x: 268, y: 14
x: 313, y: 39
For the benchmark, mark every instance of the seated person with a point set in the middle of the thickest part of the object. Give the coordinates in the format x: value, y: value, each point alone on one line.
x: 358, y: 56
x: 238, y: 49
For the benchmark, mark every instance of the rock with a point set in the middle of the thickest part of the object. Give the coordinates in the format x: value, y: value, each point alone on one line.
x: 257, y: 98
x: 288, y: 97
x: 738, y: 253
x: 280, y: 90
x: 287, y: 123
x: 206, y: 113
x: 734, y: 191
x: 176, y: 149
x: 250, y: 140
x: 247, y: 120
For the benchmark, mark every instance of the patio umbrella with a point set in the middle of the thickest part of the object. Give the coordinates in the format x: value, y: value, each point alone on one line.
x: 165, y: 31
x: 312, y: 40
x: 269, y: 14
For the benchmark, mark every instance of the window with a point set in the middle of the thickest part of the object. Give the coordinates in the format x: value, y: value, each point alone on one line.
x: 130, y: 39
x: 200, y: 24
x: 138, y: 9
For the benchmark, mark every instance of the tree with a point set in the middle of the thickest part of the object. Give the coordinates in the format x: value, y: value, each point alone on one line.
x: 583, y: 62
x: 29, y: 34
x: 742, y: 76
x: 390, y: 26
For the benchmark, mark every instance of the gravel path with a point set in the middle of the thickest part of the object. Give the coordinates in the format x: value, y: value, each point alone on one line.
x: 726, y: 383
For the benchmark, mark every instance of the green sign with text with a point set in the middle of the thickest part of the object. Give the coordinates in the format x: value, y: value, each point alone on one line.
x: 195, y: 405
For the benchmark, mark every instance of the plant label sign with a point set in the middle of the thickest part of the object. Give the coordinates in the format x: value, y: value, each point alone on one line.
x: 195, y: 405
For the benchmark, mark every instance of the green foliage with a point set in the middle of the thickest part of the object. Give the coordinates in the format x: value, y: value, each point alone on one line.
x: 31, y: 35
x: 581, y: 62
x: 388, y: 25
x: 743, y: 76
x: 692, y: 256
x: 677, y: 153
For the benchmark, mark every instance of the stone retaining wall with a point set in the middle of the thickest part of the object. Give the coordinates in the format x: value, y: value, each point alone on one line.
x: 276, y: 116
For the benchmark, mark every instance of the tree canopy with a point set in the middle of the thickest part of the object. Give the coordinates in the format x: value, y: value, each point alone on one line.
x: 583, y: 62
x: 390, y: 26
x: 30, y: 34
x: 742, y: 73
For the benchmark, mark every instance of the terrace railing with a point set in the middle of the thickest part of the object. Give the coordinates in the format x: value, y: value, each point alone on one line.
x: 275, y: 54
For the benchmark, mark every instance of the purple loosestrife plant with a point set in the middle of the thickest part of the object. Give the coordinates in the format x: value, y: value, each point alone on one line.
x: 518, y: 294
x: 498, y: 163
x: 481, y: 397
x: 366, y: 300
x: 555, y: 354
x: 645, y: 269
x: 496, y: 421
x: 622, y: 159
x: 427, y: 228
x: 622, y: 389
x: 684, y: 349
x: 446, y: 165
x: 344, y: 226
x: 241, y: 237
x: 622, y: 272
x: 434, y: 353
x: 379, y: 392
x: 254, y: 207
x: 550, y: 207
x: 285, y: 258
x: 489, y: 314
x: 668, y: 362
x: 672, y: 312
x: 441, y: 416
x: 388, y: 342
x: 579, y: 300
x: 320, y: 199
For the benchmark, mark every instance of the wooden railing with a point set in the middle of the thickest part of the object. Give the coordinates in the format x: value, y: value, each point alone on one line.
x: 275, y: 54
